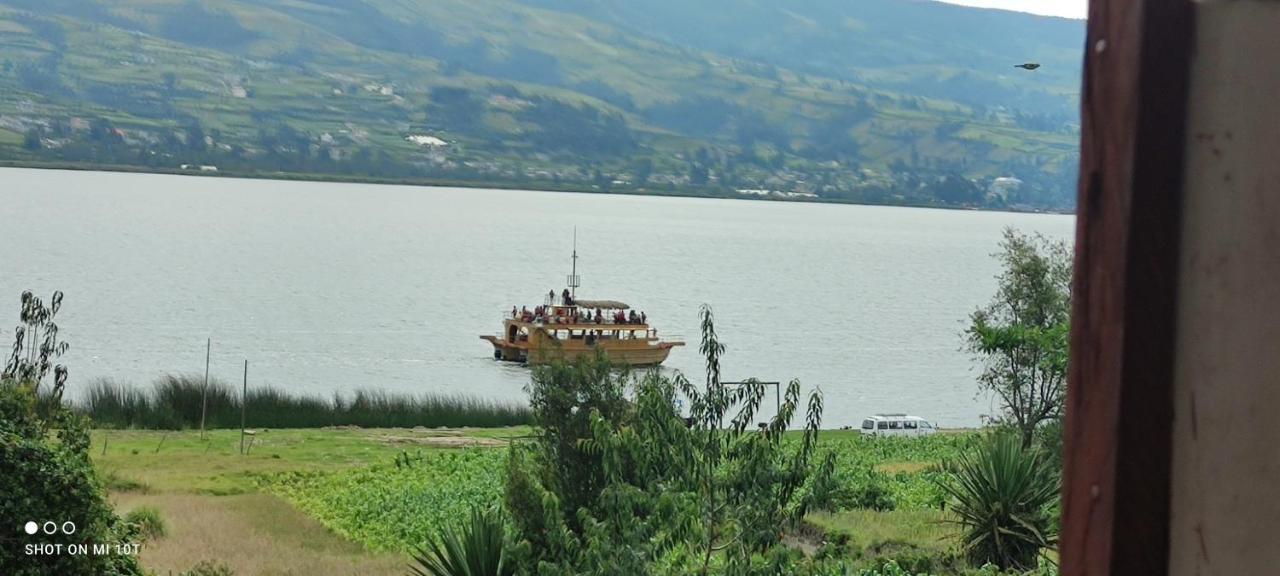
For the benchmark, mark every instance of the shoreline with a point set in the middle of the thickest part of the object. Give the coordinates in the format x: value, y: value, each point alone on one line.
x: 535, y: 187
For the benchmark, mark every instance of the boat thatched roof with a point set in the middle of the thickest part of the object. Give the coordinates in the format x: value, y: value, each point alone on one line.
x: 602, y: 304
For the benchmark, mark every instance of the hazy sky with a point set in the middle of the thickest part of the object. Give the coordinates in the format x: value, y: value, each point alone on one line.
x: 1067, y: 8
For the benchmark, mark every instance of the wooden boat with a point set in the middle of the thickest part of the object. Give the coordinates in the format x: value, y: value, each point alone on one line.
x: 567, y: 328
x: 569, y: 331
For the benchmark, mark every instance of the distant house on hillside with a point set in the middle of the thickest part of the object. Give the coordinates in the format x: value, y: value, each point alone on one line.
x: 1002, y: 187
x: 426, y: 140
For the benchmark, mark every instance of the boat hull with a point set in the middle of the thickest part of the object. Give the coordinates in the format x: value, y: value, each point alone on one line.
x: 622, y: 353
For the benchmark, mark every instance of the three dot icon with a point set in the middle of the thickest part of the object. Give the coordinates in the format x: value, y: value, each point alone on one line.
x: 49, y: 528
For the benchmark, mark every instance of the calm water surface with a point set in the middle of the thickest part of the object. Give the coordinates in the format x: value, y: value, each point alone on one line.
x: 334, y: 287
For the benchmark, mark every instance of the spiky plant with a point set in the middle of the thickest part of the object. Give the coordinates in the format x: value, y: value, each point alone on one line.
x: 474, y: 548
x: 1003, y: 496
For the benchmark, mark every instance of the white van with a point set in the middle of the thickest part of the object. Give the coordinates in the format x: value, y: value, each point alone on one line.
x: 897, y: 425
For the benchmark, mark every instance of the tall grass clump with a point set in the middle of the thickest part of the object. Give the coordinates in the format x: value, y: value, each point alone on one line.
x: 174, y: 403
x: 147, y: 520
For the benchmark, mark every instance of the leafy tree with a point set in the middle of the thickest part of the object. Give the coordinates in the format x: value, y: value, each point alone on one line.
x: 643, y: 169
x: 457, y: 109
x: 1003, y: 496
x: 706, y: 493
x: 44, y: 455
x: 956, y: 189
x: 1021, y: 336
x: 563, y: 398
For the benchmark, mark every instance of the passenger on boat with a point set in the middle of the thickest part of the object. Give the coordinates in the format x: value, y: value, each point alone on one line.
x: 566, y: 298
x: 599, y: 318
x: 643, y: 320
x: 551, y: 296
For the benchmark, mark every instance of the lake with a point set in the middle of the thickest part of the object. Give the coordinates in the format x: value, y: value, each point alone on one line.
x: 334, y: 287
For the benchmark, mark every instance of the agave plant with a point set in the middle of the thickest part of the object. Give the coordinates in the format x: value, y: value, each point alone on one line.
x: 1003, y: 496
x: 475, y: 548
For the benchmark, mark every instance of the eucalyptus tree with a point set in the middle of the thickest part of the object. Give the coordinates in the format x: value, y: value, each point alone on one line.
x: 1021, y: 336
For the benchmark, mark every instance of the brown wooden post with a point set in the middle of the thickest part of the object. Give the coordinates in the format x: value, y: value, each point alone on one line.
x: 1115, y: 503
x: 244, y: 403
x: 204, y: 391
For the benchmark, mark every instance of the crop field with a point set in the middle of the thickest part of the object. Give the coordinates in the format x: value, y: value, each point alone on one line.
x: 906, y: 470
x: 398, y: 506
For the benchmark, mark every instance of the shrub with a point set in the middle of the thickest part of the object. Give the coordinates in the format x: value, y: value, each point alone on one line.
x: 114, y: 482
x: 1048, y: 438
x: 148, y: 522
x: 890, y: 568
x: 475, y: 548
x: 1003, y: 497
x: 48, y: 477
x: 867, y: 492
x: 563, y: 398
x: 209, y: 568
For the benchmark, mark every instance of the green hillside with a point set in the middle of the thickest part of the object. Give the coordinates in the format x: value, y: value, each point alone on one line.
x: 883, y: 101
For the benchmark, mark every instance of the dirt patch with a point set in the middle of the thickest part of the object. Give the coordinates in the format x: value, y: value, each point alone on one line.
x: 251, y: 534
x: 905, y: 467
x: 449, y: 441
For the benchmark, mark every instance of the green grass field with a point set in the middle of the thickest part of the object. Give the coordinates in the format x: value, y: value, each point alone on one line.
x: 221, y: 506
x: 181, y: 462
x: 10, y: 138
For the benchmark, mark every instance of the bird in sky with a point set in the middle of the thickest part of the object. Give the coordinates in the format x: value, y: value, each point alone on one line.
x: 1028, y: 65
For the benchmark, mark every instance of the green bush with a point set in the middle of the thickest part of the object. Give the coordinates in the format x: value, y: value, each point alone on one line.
x: 890, y: 568
x: 47, y: 476
x: 148, y: 522
x: 209, y: 568
x: 867, y: 491
x: 114, y: 482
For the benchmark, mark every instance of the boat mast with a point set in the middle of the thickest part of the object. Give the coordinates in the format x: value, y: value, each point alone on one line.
x: 574, y: 281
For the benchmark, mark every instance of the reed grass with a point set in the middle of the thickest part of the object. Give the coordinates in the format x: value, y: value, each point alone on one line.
x: 173, y: 403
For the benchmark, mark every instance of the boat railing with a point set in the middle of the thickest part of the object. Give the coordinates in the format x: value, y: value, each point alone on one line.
x: 603, y: 322
x: 553, y: 320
